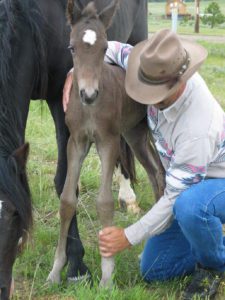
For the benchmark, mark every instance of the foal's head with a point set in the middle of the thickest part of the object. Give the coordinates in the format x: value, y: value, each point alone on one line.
x: 15, y: 212
x: 88, y: 44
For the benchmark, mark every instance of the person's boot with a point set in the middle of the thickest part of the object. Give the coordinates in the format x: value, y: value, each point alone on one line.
x: 204, y: 285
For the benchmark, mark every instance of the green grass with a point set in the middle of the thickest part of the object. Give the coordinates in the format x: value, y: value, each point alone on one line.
x: 32, y: 267
x: 213, y: 70
x: 157, y: 20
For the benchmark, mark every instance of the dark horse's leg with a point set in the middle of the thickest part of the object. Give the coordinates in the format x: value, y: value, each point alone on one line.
x: 62, y: 135
x: 75, y: 249
x: 75, y: 253
x: 139, y: 140
x: 140, y: 28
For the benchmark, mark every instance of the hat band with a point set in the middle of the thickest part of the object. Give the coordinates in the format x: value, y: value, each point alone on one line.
x: 152, y: 80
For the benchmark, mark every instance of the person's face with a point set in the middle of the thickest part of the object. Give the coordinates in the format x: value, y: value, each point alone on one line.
x: 170, y: 100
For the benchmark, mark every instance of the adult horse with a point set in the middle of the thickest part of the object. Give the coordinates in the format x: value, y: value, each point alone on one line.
x: 34, y: 39
x: 15, y: 201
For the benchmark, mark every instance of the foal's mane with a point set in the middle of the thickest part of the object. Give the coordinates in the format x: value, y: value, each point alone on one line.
x: 13, y: 16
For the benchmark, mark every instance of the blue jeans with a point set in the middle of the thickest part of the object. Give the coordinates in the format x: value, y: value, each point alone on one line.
x: 195, y: 235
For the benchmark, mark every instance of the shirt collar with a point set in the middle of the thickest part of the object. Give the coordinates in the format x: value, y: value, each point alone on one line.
x: 172, y: 112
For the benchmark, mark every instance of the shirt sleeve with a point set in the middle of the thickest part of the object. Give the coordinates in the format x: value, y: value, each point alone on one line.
x: 118, y: 54
x: 188, y: 166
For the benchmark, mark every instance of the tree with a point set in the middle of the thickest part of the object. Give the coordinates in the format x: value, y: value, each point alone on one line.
x: 213, y: 15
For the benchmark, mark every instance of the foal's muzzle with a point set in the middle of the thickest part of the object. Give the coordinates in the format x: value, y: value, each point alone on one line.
x: 88, y: 99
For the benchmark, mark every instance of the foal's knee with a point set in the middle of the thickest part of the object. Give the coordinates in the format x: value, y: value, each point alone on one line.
x: 67, y: 206
x: 105, y: 210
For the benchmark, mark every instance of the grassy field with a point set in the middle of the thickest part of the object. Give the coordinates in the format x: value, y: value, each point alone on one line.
x: 157, y: 20
x: 31, y: 269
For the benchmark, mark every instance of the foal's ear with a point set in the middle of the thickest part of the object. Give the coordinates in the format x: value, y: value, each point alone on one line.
x: 107, y: 14
x: 73, y: 12
x: 21, y: 155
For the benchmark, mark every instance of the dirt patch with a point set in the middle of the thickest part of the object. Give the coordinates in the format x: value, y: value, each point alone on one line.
x: 53, y: 297
x: 198, y: 37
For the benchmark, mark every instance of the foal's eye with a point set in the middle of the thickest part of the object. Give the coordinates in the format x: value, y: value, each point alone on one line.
x: 71, y: 48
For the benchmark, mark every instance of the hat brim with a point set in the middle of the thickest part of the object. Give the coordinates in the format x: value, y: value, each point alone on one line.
x: 151, y: 93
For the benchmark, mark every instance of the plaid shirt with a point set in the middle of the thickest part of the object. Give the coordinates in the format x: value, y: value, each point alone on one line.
x: 190, y: 139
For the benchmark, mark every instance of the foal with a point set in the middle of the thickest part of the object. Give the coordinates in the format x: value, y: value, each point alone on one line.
x: 99, y: 112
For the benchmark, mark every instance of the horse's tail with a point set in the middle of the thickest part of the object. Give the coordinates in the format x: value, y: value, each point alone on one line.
x: 126, y: 161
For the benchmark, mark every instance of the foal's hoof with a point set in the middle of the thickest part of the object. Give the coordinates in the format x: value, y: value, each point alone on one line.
x: 131, y: 207
x: 54, y: 278
x: 106, y: 283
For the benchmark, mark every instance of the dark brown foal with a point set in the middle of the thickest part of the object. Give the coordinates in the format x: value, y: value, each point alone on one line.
x: 99, y: 112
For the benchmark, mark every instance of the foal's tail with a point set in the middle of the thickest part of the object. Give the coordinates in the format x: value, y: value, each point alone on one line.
x: 126, y: 161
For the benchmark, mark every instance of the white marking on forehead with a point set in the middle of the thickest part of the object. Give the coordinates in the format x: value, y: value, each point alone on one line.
x: 1, y: 208
x: 90, y: 37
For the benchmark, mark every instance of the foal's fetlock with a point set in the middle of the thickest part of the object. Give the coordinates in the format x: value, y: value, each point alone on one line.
x: 130, y: 206
x: 106, y: 283
x: 133, y: 208
x: 107, y: 265
x: 59, y: 263
x: 54, y: 277
x: 127, y: 199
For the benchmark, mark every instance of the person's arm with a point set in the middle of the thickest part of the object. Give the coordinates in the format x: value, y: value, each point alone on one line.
x: 118, y: 53
x: 67, y: 89
x: 188, y: 166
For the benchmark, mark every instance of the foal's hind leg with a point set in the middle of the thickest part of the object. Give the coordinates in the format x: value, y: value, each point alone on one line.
x: 139, y: 140
x: 76, y: 153
x: 108, y: 152
x: 126, y: 197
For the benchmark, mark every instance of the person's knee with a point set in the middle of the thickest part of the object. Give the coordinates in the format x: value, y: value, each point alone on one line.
x: 151, y: 273
x: 156, y: 268
x: 187, y: 209
x: 163, y: 272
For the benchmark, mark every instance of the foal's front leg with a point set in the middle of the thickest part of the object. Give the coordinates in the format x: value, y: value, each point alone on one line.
x: 108, y: 152
x: 76, y: 153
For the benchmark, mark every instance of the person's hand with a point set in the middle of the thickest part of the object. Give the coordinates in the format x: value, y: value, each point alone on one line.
x: 112, y: 240
x: 67, y: 89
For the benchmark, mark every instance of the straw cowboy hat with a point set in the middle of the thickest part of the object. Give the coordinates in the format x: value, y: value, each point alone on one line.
x: 157, y: 66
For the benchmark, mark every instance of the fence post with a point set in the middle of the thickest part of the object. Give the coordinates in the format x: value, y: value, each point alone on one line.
x: 174, y: 15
